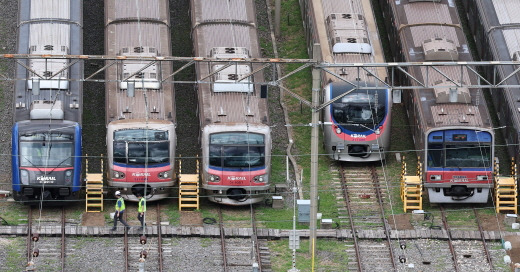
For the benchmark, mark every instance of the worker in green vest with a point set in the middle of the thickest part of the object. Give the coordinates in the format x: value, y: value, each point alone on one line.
x: 141, y: 210
x: 120, y: 210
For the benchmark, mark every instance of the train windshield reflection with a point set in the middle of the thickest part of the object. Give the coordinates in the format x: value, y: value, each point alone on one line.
x: 135, y: 152
x: 46, y: 154
x: 360, y: 108
x: 468, y: 156
x: 459, y: 156
x: 237, y: 150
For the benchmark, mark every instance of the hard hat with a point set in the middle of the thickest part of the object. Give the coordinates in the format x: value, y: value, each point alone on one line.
x: 118, y: 193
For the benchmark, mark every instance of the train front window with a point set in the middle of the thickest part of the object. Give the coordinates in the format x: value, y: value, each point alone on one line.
x: 158, y: 152
x: 140, y: 135
x: 466, y: 156
x: 130, y: 146
x: 435, y: 155
x: 360, y: 108
x: 46, y: 154
x: 236, y: 150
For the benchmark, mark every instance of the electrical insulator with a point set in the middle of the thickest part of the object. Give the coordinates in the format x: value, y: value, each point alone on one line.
x: 402, y: 259
x: 36, y: 252
x: 143, y: 254
x: 35, y: 237
x: 142, y: 240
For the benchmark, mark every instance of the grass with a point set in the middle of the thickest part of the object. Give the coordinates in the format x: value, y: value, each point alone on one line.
x: 13, y: 213
x: 330, y: 255
x: 16, y: 256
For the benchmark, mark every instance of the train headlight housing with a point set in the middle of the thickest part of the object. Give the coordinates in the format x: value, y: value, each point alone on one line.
x: 164, y: 175
x: 377, y: 131
x: 214, y: 178
x: 119, y: 175
x: 482, y: 177
x: 68, y: 176
x: 436, y: 177
x: 260, y: 179
x: 338, y: 130
x: 24, y: 176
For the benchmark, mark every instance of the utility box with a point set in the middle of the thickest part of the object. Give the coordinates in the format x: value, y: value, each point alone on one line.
x: 326, y: 224
x: 304, y: 211
x: 277, y: 202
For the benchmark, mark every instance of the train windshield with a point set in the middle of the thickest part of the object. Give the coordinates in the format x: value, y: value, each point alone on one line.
x: 130, y: 146
x: 46, y: 150
x: 459, y: 156
x: 237, y: 150
x: 464, y: 156
x: 359, y: 108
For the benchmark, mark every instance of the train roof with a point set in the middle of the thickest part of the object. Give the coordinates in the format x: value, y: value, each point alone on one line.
x: 347, y: 34
x: 502, y: 33
x: 138, y: 28
x: 49, y: 27
x: 429, y: 32
x: 227, y: 28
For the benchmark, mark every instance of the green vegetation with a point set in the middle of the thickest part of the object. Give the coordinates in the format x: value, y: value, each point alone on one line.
x: 16, y: 256
x: 13, y: 213
x: 172, y: 212
x: 330, y: 255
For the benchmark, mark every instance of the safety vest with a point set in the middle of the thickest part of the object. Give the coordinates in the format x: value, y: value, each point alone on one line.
x: 122, y: 204
x: 142, y: 205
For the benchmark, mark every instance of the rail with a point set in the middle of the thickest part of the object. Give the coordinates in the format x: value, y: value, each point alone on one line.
x: 63, y: 238
x: 222, y: 239
x: 450, y: 242
x: 377, y: 215
x: 488, y: 255
x: 159, y: 238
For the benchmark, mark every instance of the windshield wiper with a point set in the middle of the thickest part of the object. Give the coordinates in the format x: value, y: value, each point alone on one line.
x: 58, y: 165
x: 33, y: 164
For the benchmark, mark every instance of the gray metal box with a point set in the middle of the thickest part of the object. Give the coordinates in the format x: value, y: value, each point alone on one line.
x: 304, y: 210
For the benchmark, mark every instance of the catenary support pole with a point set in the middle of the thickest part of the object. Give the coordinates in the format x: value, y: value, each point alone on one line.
x: 277, y: 7
x: 314, y: 148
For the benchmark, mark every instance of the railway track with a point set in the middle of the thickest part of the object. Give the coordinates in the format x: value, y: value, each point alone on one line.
x: 364, y: 197
x: 142, y: 253
x: 42, y: 252
x: 467, y: 254
x: 241, y: 254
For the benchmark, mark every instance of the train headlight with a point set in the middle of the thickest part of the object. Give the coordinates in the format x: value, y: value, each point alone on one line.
x: 214, y: 178
x: 436, y: 177
x: 260, y: 179
x: 68, y: 176
x: 482, y: 177
x: 377, y: 131
x: 24, y: 176
x: 338, y: 130
x: 119, y: 175
x: 163, y: 175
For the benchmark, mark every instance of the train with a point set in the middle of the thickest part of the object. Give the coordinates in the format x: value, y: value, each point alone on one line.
x: 451, y: 125
x: 493, y: 25
x: 140, y: 101
x: 46, y: 155
x: 235, y: 135
x: 356, y: 126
